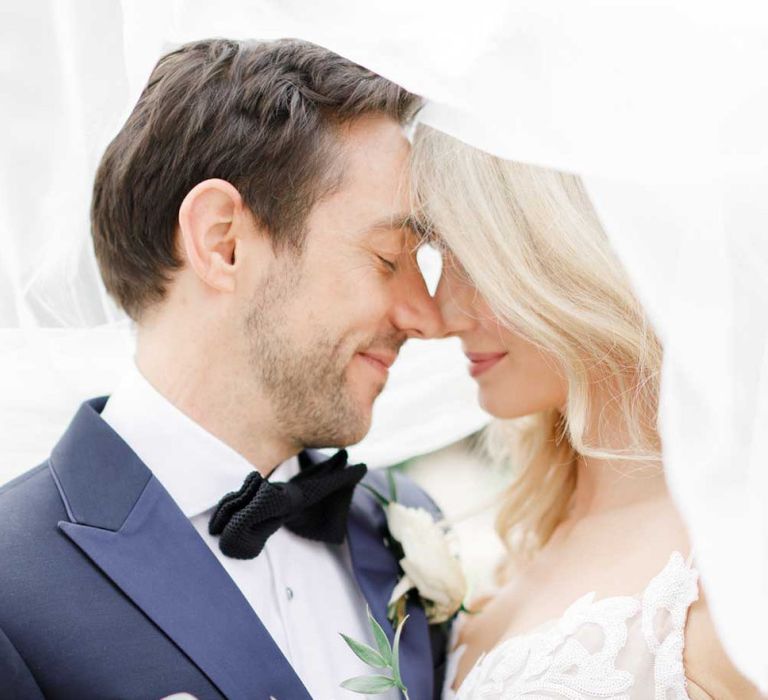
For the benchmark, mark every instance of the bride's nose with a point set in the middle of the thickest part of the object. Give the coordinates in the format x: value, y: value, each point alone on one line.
x: 455, y: 299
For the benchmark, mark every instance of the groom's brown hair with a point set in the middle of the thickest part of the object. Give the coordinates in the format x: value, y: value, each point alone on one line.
x: 261, y: 115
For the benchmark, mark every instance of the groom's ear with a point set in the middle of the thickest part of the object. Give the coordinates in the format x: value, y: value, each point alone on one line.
x: 210, y: 222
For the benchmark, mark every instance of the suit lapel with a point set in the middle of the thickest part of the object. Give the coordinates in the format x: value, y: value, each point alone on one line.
x: 377, y: 572
x: 127, y: 524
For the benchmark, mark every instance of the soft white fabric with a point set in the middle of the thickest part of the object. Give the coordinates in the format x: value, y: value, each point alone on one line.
x: 662, y: 105
x: 620, y: 648
x: 303, y: 613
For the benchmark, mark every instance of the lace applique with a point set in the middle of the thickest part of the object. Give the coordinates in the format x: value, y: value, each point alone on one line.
x: 555, y: 661
x: 673, y: 592
x: 575, y: 656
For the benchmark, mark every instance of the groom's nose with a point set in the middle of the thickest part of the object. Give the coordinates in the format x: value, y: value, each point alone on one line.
x: 415, y: 311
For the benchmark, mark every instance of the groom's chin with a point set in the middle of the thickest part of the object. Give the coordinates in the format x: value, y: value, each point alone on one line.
x: 344, y: 433
x: 360, y: 425
x: 357, y: 428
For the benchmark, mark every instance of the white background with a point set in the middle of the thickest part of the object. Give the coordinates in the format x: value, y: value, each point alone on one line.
x: 662, y: 106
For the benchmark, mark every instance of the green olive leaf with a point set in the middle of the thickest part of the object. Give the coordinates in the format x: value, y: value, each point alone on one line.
x: 365, y: 653
x: 396, y: 654
x: 369, y: 684
x: 381, y: 638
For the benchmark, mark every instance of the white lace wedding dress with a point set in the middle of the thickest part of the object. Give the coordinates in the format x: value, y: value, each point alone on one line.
x: 616, y: 648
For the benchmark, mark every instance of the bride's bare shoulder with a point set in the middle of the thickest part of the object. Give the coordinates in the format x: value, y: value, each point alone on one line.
x: 475, y: 621
x: 480, y: 629
x: 488, y: 606
x: 709, y: 671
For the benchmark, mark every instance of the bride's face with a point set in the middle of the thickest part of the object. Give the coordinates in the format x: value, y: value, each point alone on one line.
x: 515, y: 377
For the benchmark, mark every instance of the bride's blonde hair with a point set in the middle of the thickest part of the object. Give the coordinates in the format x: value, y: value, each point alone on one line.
x: 532, y: 245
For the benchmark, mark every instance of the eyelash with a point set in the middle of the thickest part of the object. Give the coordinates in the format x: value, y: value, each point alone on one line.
x: 387, y: 263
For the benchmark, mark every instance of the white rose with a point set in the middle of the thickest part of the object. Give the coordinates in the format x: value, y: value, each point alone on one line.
x: 429, y: 564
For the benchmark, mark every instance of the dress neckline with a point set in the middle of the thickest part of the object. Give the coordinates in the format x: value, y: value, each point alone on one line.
x: 675, y: 561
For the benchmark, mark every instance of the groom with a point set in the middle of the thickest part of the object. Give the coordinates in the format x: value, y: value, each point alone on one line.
x: 252, y: 218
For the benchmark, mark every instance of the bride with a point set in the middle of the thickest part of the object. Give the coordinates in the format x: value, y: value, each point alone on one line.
x: 599, y: 594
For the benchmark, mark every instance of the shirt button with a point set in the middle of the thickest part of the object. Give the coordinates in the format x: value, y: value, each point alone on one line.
x: 289, y: 593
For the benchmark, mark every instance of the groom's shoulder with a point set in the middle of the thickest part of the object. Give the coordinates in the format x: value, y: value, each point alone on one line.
x: 409, y: 493
x: 31, y: 543
x: 29, y: 503
x: 18, y: 488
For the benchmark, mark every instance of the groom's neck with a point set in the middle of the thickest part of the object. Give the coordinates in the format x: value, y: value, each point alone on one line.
x: 203, y: 386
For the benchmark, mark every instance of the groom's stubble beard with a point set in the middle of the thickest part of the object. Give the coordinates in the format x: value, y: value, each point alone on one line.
x: 304, y: 378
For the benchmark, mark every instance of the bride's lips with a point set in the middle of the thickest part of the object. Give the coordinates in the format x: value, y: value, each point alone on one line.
x: 481, y: 362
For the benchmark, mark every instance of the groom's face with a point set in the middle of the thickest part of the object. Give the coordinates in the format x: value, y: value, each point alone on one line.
x: 325, y: 324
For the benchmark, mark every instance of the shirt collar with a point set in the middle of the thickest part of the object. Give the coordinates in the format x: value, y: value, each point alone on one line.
x: 195, y: 467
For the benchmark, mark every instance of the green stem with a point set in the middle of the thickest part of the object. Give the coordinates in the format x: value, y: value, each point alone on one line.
x: 392, y: 485
x: 381, y: 499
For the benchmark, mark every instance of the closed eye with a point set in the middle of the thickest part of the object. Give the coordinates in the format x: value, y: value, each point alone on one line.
x: 390, y: 265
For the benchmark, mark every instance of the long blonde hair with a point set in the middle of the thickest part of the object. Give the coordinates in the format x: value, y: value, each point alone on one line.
x: 531, y: 243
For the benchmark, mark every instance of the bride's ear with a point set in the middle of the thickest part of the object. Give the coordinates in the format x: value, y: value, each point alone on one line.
x: 208, y: 231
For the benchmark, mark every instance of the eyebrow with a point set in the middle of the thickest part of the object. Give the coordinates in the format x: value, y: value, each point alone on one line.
x: 394, y: 223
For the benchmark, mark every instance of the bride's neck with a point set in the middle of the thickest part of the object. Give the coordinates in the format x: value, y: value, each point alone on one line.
x: 604, y: 484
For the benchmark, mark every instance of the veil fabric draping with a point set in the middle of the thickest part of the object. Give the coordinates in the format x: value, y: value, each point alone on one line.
x: 661, y: 106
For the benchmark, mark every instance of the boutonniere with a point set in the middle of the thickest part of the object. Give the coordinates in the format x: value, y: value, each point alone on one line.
x: 427, y: 554
x: 429, y: 563
x: 431, y: 570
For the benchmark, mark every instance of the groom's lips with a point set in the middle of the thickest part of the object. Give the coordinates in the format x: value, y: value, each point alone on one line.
x: 381, y: 361
x: 481, y: 362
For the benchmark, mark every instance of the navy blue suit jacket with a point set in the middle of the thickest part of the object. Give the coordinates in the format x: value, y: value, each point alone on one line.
x: 107, y: 590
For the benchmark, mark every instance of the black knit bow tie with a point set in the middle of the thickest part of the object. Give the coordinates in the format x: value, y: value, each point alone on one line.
x: 314, y: 504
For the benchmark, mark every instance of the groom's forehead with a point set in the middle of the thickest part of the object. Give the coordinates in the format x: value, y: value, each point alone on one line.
x: 373, y: 147
x: 370, y: 201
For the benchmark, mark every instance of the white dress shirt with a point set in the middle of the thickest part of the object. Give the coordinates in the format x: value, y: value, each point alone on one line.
x: 304, y: 592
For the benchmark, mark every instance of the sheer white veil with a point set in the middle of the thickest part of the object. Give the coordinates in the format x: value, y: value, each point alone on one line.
x: 661, y: 106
